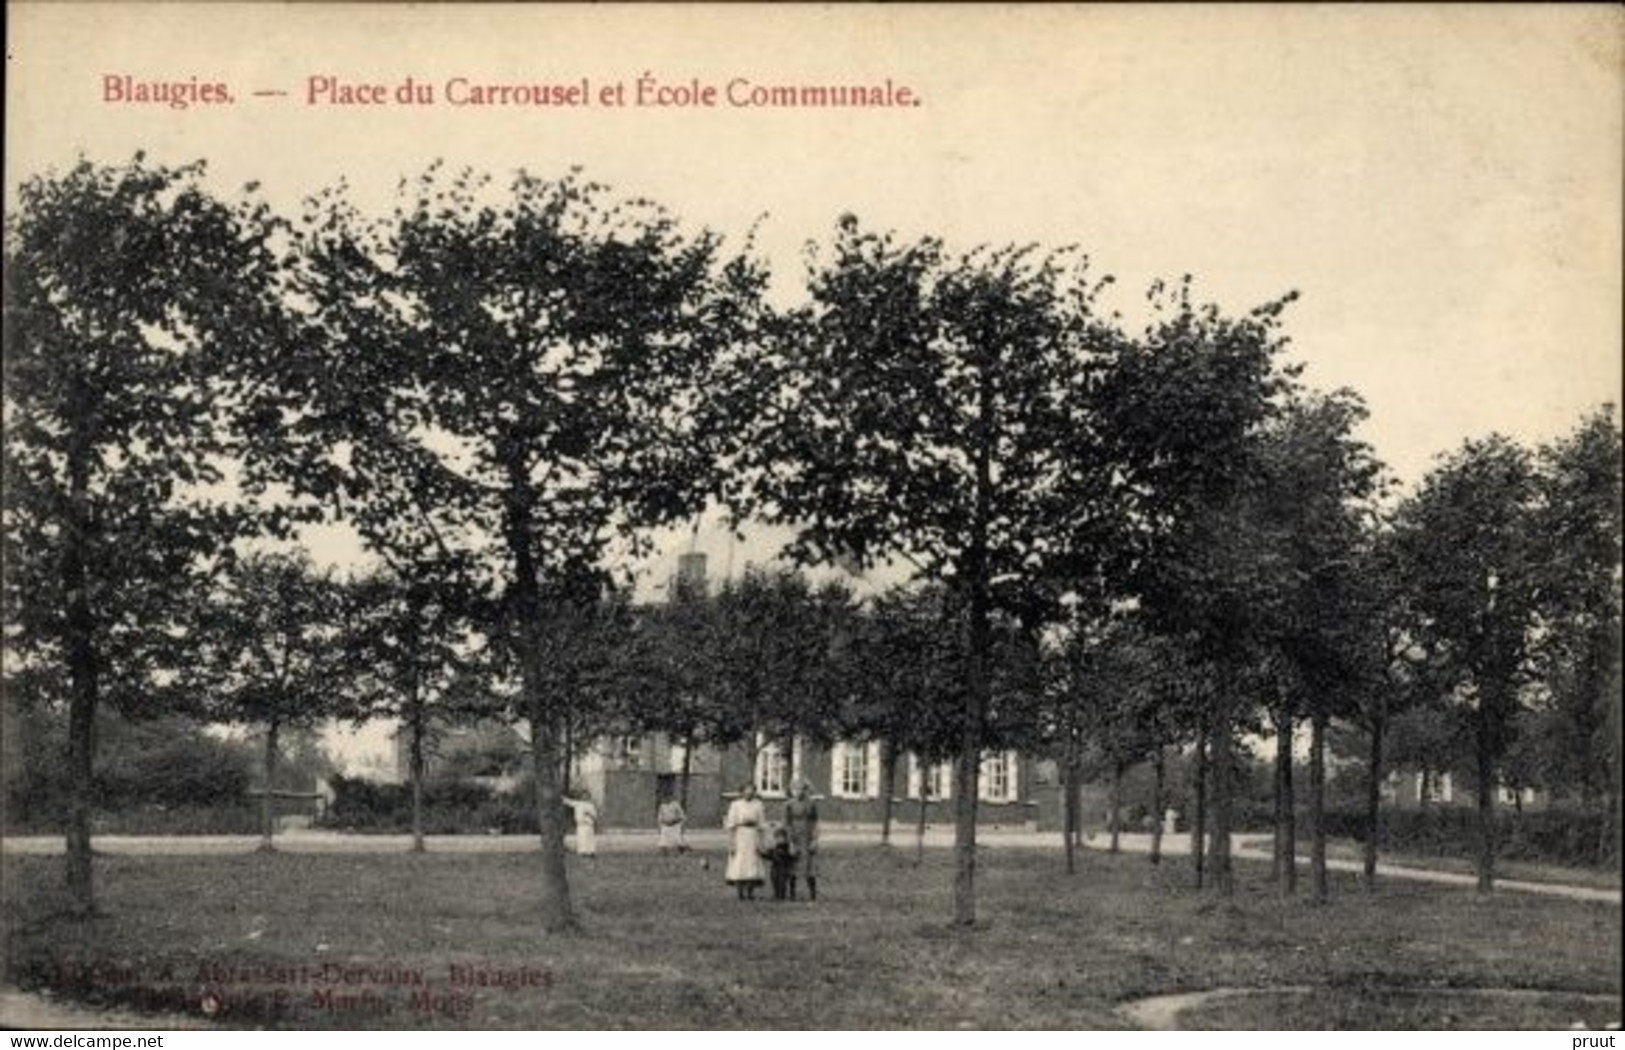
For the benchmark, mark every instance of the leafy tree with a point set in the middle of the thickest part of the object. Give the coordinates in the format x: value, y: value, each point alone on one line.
x: 1132, y: 692
x: 269, y: 650
x: 937, y: 410
x: 408, y: 647
x: 1320, y: 484
x: 516, y: 381
x: 164, y: 760
x: 774, y: 668
x: 672, y: 671
x: 1465, y: 537
x: 1395, y: 681
x: 1183, y: 412
x: 1577, y: 534
x: 124, y: 289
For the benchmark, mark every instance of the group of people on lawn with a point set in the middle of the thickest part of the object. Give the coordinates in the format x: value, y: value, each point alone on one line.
x: 789, y: 849
x: 785, y: 853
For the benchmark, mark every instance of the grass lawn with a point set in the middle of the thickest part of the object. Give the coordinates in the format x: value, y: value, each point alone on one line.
x: 327, y: 940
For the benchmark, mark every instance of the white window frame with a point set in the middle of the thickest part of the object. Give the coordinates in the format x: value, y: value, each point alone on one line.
x: 1511, y: 796
x: 770, y: 759
x: 843, y: 759
x: 1006, y: 763
x: 1442, y: 792
x: 942, y: 776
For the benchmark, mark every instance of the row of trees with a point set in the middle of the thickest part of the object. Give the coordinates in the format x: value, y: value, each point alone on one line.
x: 504, y: 390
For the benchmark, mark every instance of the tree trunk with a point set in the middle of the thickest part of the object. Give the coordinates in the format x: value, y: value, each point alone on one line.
x: 1286, y: 808
x: 557, y: 914
x: 967, y: 768
x: 1373, y: 803
x: 1486, y: 800
x: 567, y: 760
x: 966, y: 772
x: 1076, y: 799
x: 1199, y: 818
x: 81, y: 784
x: 688, y: 768
x: 753, y: 752
x: 1159, y: 769
x: 919, y: 827
x: 268, y: 800
x: 84, y: 688
x: 417, y: 777
x: 1277, y: 840
x: 888, y: 775
x: 1612, y: 830
x: 1223, y: 773
x: 1069, y: 811
x: 1317, y: 806
x: 547, y: 721
x: 1117, y: 808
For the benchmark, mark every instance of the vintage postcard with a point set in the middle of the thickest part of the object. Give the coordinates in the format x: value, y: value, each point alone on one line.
x: 835, y: 516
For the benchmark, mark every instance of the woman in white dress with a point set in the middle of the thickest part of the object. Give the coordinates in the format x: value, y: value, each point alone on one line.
x: 744, y: 823
x: 586, y: 825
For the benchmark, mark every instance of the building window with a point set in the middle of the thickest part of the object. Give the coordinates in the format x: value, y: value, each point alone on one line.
x: 937, y: 780
x: 1437, y: 788
x: 772, y: 770
x: 630, y: 751
x: 850, y: 775
x: 1511, y: 796
x: 855, y: 770
x: 998, y: 780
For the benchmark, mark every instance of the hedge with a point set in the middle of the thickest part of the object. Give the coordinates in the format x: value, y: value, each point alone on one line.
x: 1551, y: 836
x: 449, y: 808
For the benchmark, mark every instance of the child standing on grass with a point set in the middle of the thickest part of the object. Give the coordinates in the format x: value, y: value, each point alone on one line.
x: 781, y: 863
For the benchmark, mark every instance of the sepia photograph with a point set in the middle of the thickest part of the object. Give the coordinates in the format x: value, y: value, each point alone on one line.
x: 841, y: 517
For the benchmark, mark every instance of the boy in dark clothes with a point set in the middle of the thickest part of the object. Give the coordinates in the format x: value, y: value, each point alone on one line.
x: 781, y: 863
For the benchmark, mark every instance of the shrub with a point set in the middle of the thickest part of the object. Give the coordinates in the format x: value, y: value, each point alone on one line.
x: 450, y: 807
x: 1550, y: 836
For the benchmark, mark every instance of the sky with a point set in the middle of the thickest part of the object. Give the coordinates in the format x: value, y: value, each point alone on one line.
x: 1442, y: 184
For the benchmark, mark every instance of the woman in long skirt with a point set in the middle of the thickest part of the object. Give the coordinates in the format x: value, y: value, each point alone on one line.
x: 744, y: 823
x: 586, y: 824
x: 671, y: 818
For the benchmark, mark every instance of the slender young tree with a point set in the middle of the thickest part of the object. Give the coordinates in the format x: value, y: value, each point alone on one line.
x: 1465, y: 538
x: 907, y: 665
x: 125, y: 287
x: 1321, y: 484
x: 269, y: 650
x: 408, y: 650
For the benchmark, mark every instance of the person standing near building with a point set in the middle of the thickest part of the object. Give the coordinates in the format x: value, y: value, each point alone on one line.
x: 801, y: 818
x: 744, y: 823
x: 670, y: 818
x: 586, y: 815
